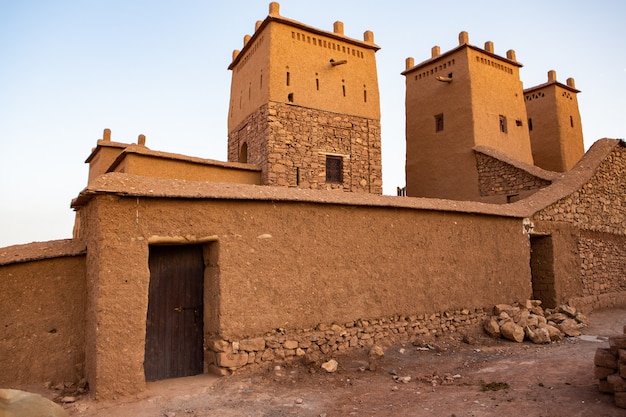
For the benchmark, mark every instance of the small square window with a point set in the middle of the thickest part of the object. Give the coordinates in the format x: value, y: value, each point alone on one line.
x: 439, y: 122
x: 334, y: 169
x: 503, y: 128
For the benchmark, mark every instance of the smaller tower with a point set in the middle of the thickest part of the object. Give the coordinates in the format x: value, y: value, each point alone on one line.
x: 455, y: 101
x: 554, y: 123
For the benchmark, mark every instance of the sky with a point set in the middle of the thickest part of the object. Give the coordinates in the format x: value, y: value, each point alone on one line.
x: 70, y: 69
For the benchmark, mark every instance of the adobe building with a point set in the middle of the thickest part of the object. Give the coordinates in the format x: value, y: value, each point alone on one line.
x: 305, y: 107
x: 181, y: 265
x: 503, y: 119
x: 556, y: 133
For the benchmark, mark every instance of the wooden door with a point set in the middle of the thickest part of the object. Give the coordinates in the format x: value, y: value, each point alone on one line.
x: 174, y: 325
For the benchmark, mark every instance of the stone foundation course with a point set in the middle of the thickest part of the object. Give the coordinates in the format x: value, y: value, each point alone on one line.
x: 282, y: 345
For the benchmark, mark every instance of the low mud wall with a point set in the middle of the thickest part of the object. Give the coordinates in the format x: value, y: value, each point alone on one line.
x: 42, y: 306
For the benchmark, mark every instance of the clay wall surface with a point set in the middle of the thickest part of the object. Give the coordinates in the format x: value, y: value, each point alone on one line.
x: 186, y: 169
x: 350, y: 88
x: 497, y: 178
x: 556, y: 134
x: 250, y: 81
x: 42, y: 307
x: 426, y: 98
x: 293, y: 142
x: 292, y: 265
x: 496, y: 91
x: 287, y: 61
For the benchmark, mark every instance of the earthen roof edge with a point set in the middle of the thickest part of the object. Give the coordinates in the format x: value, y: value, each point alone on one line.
x: 530, y: 169
x: 37, y: 251
x: 142, y: 150
x: 549, y: 83
x: 104, y: 144
x: 455, y: 49
x: 127, y: 185
x: 299, y: 25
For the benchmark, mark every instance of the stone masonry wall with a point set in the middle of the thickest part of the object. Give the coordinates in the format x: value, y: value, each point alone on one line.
x: 291, y: 142
x: 598, y: 210
x: 499, y: 178
x: 602, y: 264
x: 284, y: 345
x: 600, y: 204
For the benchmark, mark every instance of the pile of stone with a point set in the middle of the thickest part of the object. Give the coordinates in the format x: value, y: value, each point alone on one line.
x: 611, y: 368
x: 528, y: 321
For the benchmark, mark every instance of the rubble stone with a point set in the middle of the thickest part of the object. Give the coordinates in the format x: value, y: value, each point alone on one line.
x: 512, y: 331
x: 16, y: 403
x: 608, y: 370
x: 492, y: 328
x: 536, y: 325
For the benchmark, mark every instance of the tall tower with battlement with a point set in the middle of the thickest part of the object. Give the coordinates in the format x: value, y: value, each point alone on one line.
x: 456, y: 101
x: 556, y: 133
x: 304, y: 105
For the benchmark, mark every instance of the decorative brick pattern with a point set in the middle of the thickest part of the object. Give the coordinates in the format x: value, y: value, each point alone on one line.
x: 290, y: 143
x: 499, y: 178
x: 286, y: 345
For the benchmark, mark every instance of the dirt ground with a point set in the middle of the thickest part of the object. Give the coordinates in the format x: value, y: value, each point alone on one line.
x: 448, y: 377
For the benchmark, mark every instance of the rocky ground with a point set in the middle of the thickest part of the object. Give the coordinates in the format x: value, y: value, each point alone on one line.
x: 472, y: 376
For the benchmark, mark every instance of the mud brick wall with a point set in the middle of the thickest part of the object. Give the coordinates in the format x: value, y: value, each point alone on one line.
x: 499, y: 178
x: 282, y: 345
x: 42, y: 310
x: 291, y: 143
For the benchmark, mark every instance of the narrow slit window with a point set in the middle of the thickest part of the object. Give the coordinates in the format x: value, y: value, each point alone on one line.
x: 288, y: 78
x: 503, y: 128
x: 439, y: 122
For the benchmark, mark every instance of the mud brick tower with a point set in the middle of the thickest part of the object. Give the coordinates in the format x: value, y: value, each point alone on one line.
x: 304, y: 106
x: 455, y: 101
x: 556, y: 132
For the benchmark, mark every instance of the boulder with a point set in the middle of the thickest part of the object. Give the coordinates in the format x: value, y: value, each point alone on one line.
x: 605, y: 358
x: 376, y: 352
x: 569, y: 327
x: 555, y: 334
x: 567, y: 310
x: 15, y: 403
x: 499, y: 308
x: 492, y: 327
x: 232, y: 360
x: 330, y: 366
x: 512, y: 331
x: 617, y: 383
x: 539, y: 335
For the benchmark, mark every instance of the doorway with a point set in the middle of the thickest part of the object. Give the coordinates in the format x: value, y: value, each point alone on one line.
x: 174, y: 322
x: 542, y: 270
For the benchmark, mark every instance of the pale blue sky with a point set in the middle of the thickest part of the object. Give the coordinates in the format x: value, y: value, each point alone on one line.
x: 69, y: 69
